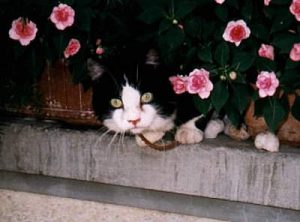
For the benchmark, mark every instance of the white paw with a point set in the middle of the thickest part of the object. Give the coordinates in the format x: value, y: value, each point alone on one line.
x: 213, y: 128
x: 186, y: 135
x: 150, y: 136
x: 267, y: 141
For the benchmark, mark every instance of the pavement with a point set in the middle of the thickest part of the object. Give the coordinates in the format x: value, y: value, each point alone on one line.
x: 18, y: 206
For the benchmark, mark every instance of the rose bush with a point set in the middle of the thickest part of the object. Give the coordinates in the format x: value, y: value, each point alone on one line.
x: 36, y: 33
x: 250, y: 48
x: 225, y: 52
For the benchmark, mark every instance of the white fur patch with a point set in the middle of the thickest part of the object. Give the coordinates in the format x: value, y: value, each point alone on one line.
x: 145, y: 115
x: 188, y: 133
x: 213, y: 128
x: 267, y: 141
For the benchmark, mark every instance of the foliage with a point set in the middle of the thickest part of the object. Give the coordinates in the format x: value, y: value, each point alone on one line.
x: 190, y: 34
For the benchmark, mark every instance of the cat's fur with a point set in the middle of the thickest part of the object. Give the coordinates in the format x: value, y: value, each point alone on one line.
x: 127, y: 80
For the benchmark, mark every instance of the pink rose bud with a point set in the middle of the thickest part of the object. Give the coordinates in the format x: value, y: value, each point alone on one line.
x: 236, y: 31
x: 267, y: 2
x: 233, y: 75
x: 179, y: 84
x: 198, y: 83
x: 72, y: 48
x: 99, y: 51
x: 23, y: 31
x: 62, y: 16
x: 266, y: 51
x: 295, y: 9
x: 220, y: 1
x: 295, y: 52
x: 180, y: 26
x: 266, y: 83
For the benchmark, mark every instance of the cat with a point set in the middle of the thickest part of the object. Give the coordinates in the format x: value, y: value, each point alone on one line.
x: 133, y: 94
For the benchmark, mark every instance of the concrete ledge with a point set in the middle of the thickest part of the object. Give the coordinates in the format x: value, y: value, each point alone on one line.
x: 219, y: 168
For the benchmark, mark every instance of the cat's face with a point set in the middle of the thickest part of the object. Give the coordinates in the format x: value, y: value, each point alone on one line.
x: 137, y: 101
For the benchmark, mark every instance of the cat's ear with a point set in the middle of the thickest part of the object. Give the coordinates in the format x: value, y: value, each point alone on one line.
x: 152, y: 58
x: 95, y: 70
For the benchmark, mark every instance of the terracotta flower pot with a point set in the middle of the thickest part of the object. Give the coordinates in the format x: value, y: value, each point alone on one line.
x: 288, y: 132
x: 61, y: 98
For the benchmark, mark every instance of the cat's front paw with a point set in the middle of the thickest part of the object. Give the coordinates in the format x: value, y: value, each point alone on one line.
x: 152, y: 137
x: 187, y: 135
x: 213, y: 128
x: 267, y: 141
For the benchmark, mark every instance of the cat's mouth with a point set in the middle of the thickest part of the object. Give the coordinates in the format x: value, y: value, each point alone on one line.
x: 137, y: 130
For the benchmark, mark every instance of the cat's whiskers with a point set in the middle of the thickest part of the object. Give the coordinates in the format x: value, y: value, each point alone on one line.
x: 104, y: 134
x: 120, y: 142
x: 113, y: 139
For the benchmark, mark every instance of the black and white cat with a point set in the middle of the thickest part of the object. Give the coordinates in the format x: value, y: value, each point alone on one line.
x: 135, y: 96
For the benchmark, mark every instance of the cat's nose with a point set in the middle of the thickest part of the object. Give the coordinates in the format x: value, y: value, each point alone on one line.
x: 134, y: 121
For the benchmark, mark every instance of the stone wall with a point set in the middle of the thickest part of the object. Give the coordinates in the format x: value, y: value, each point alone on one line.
x: 219, y: 168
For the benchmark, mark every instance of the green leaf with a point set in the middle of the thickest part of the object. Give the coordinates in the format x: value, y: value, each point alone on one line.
x: 260, y: 31
x: 164, y: 25
x: 280, y: 2
x: 242, y: 61
x: 193, y: 26
x: 240, y: 97
x: 291, y: 79
x: 274, y: 114
x: 183, y: 8
x: 202, y: 105
x: 219, y: 95
x: 233, y: 3
x: 172, y: 38
x: 259, y: 107
x: 84, y: 19
x: 152, y: 14
x: 222, y: 53
x: 247, y: 10
x: 284, y: 41
x: 222, y: 13
x: 282, y: 21
x: 233, y: 114
x: 210, y: 29
x: 265, y: 64
x: 295, y: 110
x: 205, y: 54
x: 291, y: 64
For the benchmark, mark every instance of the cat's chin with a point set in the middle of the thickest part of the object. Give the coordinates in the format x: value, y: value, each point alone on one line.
x: 136, y: 130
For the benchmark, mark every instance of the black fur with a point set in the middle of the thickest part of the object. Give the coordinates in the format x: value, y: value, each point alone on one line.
x: 146, y: 78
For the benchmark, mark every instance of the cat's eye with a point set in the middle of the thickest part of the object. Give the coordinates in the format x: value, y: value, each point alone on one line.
x: 116, y: 103
x: 147, y: 97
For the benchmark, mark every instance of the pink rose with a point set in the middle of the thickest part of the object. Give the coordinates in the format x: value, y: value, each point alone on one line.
x: 23, y: 30
x: 99, y: 50
x: 267, y: 2
x: 198, y: 82
x: 266, y: 51
x: 72, y: 48
x: 266, y: 83
x: 295, y: 9
x: 295, y: 52
x: 62, y: 16
x: 220, y: 1
x: 236, y: 31
x: 179, y: 84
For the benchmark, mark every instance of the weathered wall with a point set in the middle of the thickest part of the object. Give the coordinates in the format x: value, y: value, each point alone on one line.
x: 219, y: 168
